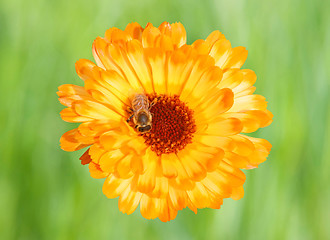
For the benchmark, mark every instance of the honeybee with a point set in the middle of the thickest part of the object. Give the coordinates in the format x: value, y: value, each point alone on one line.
x: 141, y: 114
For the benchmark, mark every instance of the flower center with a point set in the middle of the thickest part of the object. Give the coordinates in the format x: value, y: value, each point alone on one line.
x: 173, y: 125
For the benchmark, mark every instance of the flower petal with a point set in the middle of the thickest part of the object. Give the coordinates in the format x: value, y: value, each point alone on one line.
x: 135, y: 30
x: 95, y: 110
x: 249, y: 102
x: 224, y: 127
x: 96, y: 171
x: 236, y: 58
x: 129, y: 200
x: 69, y: 141
x: 114, y: 187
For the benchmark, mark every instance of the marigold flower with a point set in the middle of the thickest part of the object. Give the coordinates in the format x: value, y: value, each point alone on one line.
x: 199, y: 100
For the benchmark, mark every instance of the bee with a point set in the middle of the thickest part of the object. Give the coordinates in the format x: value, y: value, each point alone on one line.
x: 142, y: 117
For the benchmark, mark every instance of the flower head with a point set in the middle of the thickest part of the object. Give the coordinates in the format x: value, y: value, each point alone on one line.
x: 194, y: 101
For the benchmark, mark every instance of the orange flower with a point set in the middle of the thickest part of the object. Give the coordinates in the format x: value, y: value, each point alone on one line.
x: 200, y: 102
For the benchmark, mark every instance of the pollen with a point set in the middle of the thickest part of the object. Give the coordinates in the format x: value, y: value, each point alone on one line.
x: 173, y: 125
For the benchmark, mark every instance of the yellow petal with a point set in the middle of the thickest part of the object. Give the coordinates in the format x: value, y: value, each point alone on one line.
x: 68, y: 93
x: 220, y: 51
x: 114, y: 187
x: 207, y: 83
x: 68, y: 115
x: 146, y: 182
x: 249, y: 102
x: 224, y: 127
x: 137, y: 59
x: 236, y: 58
x: 210, y: 109
x: 122, y: 168
x: 180, y: 64
x: 158, y: 61
x: 161, y: 188
x: 129, y: 201
x: 95, y: 110
x: 230, y: 175
x: 194, y: 169
x: 216, y: 185
x: 200, y: 67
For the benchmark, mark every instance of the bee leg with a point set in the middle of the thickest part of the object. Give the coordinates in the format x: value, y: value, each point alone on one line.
x: 129, y: 119
x: 153, y: 102
x: 129, y: 109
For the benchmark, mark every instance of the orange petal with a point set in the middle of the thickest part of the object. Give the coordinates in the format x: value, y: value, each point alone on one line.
x: 114, y: 187
x: 146, y: 182
x: 149, y: 36
x: 116, y: 35
x: 177, y: 198
x: 199, y: 196
x: 175, y: 31
x: 84, y: 69
x: 70, y: 143
x: 167, y: 213
x: 237, y: 193
x: 96, y: 171
x: 122, y: 168
x: 169, y: 163
x: 214, y: 37
x: 135, y: 30
x: 149, y: 207
x: 85, y: 158
x: 129, y: 201
x: 108, y: 160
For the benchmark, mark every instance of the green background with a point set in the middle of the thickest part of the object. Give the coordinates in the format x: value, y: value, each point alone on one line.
x: 46, y: 194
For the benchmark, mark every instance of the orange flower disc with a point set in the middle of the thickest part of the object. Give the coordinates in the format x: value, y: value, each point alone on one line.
x: 173, y: 125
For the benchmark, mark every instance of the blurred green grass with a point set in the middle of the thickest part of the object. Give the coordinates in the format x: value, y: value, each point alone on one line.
x: 47, y: 194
